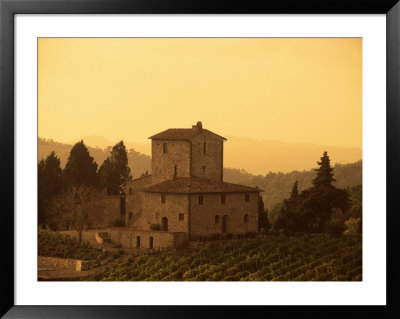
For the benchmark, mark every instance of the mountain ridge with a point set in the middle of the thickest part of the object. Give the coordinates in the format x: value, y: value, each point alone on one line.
x: 257, y: 156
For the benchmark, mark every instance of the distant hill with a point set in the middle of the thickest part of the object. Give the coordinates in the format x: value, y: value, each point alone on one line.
x: 101, y: 142
x: 138, y: 163
x: 262, y: 156
x: 277, y: 186
x: 256, y: 156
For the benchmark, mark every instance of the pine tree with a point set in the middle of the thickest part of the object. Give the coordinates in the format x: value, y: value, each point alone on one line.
x: 115, y: 172
x: 119, y: 160
x: 49, y: 184
x: 80, y: 169
x: 324, y: 197
x: 263, y: 222
x: 324, y: 173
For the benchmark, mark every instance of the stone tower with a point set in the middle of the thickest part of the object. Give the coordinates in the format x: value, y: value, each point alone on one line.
x: 187, y: 152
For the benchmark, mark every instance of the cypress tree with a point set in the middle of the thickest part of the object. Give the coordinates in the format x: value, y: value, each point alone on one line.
x: 295, y: 191
x: 49, y: 184
x: 115, y: 172
x: 80, y: 169
x: 324, y: 173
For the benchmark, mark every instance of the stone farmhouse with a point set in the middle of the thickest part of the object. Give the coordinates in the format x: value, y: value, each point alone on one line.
x: 185, y: 197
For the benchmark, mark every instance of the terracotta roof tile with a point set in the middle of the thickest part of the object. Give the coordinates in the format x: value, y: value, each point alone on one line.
x: 180, y: 134
x: 186, y: 185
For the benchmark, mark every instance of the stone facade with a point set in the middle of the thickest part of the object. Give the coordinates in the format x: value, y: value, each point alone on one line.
x: 185, y: 193
x: 169, y: 157
x: 213, y: 217
x: 146, y: 239
x: 207, y: 150
x: 170, y: 215
x: 135, y: 200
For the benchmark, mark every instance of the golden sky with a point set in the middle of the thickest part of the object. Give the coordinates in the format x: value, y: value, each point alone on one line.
x: 289, y: 89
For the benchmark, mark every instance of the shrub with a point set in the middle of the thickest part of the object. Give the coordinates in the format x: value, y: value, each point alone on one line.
x: 335, y: 226
x: 353, y: 226
x: 250, y: 235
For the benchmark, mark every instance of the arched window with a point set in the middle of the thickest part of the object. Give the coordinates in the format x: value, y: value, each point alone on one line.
x: 246, y: 219
x: 217, y: 219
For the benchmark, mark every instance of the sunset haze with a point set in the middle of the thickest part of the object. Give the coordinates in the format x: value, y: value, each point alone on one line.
x: 293, y: 90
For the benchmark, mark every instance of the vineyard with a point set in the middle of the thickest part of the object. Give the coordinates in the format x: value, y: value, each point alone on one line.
x: 53, y: 244
x: 311, y: 257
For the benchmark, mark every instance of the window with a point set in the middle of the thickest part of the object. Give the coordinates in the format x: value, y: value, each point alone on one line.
x: 203, y: 168
x: 130, y: 191
x: 222, y: 199
x: 204, y: 148
x: 200, y: 199
x: 164, y: 224
x: 151, y: 242
x: 246, y: 219
x: 130, y: 215
x: 165, y: 148
x: 181, y: 216
x: 247, y: 197
x: 163, y: 198
x: 217, y: 219
x: 137, y: 241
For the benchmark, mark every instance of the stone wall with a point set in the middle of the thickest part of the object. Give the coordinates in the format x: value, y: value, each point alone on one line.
x: 211, y: 160
x: 135, y: 199
x: 128, y: 238
x: 154, y: 211
x: 202, y: 217
x: 178, y: 153
x: 53, y: 263
x: 103, y: 212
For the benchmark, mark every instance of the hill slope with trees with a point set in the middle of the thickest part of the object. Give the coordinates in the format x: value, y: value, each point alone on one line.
x: 277, y: 186
x: 138, y: 163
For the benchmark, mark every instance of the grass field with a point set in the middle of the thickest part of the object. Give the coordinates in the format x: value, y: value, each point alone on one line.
x: 304, y: 258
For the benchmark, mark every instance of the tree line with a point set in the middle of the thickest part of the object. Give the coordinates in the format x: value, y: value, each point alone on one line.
x: 63, y: 194
x: 277, y: 185
x: 321, y: 208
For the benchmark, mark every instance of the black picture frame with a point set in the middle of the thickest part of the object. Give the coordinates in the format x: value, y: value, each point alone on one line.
x: 8, y: 8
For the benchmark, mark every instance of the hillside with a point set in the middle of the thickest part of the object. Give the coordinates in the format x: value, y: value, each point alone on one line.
x: 101, y: 142
x: 262, y: 156
x: 138, y: 162
x: 277, y: 186
x: 255, y: 156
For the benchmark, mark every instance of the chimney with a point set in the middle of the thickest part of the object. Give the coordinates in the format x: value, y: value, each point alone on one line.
x: 198, y: 127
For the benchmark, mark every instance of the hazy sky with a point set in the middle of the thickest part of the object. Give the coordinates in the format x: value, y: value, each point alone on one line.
x: 292, y: 90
